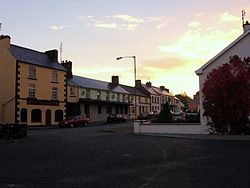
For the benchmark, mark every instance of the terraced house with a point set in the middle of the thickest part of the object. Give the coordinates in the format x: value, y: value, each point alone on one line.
x: 96, y: 99
x: 33, y: 85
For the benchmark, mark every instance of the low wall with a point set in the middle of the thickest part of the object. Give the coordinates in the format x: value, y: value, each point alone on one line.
x: 152, y: 128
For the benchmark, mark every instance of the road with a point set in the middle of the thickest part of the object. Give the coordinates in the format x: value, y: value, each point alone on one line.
x: 112, y: 156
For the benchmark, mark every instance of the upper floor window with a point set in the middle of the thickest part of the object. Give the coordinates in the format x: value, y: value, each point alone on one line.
x: 98, y: 94
x: 32, y: 90
x: 118, y: 97
x: 54, y: 76
x: 54, y: 93
x: 32, y: 72
x: 107, y: 95
x: 87, y: 93
x: 72, y: 91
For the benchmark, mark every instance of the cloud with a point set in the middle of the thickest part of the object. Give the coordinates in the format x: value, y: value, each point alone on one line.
x: 163, y: 64
x: 194, y: 24
x: 126, y: 22
x: 226, y: 17
x: 106, y: 25
x: 160, y: 22
x: 128, y: 18
x: 57, y: 27
x: 60, y: 27
x: 200, y: 42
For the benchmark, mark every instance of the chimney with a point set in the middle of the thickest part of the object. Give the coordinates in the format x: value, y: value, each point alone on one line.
x: 246, y: 27
x: 5, y: 41
x: 115, y: 80
x: 138, y: 83
x: 68, y: 65
x: 149, y: 84
x: 162, y: 87
x: 53, y: 55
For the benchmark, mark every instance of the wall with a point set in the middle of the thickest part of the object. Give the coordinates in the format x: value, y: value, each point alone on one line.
x: 242, y: 49
x: 8, y: 80
x: 169, y: 129
x: 44, y: 86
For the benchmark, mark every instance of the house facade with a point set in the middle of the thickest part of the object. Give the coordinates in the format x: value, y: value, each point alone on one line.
x: 239, y: 47
x: 139, y: 100
x: 34, y: 88
x: 97, y: 99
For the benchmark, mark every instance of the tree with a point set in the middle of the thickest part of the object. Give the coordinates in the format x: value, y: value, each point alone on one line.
x: 165, y: 115
x: 227, y: 97
x: 185, y: 99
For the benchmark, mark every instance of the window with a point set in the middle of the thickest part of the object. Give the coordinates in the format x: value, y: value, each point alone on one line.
x: 107, y: 95
x: 54, y: 93
x: 58, y: 115
x: 118, y: 97
x: 36, y: 115
x: 32, y: 90
x: 72, y: 91
x: 99, y: 109
x: 23, y: 115
x: 54, y: 76
x: 32, y: 72
x: 87, y: 93
x: 98, y: 94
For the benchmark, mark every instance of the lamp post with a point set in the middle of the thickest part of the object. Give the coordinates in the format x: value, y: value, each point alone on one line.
x: 118, y: 58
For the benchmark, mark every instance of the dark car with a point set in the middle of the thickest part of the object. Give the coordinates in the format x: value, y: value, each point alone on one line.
x: 143, y: 116
x: 79, y: 120
x: 116, y: 118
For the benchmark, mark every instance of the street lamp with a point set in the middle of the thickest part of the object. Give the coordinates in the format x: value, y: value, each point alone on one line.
x: 118, y: 58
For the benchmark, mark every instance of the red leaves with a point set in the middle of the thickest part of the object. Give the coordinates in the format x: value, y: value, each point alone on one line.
x: 227, y: 95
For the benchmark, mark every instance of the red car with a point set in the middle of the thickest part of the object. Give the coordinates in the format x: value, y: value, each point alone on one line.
x: 79, y: 120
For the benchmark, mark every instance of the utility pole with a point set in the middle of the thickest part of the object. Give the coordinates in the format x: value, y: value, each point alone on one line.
x: 61, y: 52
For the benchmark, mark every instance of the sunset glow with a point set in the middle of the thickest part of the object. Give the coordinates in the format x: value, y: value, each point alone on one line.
x: 169, y: 39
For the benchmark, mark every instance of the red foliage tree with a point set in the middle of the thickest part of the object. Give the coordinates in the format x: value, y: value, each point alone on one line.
x: 227, y: 97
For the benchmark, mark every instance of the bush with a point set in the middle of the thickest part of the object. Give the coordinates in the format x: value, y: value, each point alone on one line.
x: 227, y: 97
x: 165, y: 115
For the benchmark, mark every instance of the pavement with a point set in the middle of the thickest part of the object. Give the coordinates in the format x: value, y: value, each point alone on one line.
x: 204, y: 137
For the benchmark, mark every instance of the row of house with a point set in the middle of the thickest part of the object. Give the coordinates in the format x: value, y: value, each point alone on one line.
x: 36, y: 89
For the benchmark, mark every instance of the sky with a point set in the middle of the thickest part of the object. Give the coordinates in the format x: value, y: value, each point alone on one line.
x: 170, y: 39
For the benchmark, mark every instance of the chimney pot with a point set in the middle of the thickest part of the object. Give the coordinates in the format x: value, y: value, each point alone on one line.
x: 246, y: 26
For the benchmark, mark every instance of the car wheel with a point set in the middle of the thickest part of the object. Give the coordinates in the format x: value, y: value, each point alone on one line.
x: 85, y: 124
x: 72, y: 125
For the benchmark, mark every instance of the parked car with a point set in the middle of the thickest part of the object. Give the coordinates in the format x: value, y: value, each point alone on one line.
x: 79, y: 120
x: 143, y: 116
x: 116, y: 118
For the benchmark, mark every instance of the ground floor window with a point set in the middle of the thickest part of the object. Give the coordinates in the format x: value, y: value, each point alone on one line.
x: 58, y: 115
x: 23, y: 115
x: 36, y: 115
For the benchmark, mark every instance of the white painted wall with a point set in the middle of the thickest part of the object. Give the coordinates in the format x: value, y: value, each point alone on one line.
x: 169, y: 129
x: 241, y: 48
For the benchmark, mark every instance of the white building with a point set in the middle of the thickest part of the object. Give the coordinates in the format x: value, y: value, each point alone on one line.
x: 239, y: 47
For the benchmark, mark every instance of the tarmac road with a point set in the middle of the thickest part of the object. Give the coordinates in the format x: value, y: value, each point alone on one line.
x: 112, y: 156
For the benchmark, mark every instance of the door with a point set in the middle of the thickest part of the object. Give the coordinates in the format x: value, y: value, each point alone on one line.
x: 48, y: 117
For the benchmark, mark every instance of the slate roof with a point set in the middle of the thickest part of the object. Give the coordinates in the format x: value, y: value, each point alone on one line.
x: 149, y: 89
x: 34, y: 57
x: 97, y: 84
x: 161, y: 92
x: 131, y: 90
